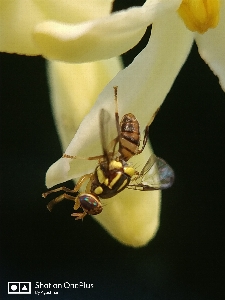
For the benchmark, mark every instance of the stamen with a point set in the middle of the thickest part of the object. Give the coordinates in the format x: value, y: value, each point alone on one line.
x: 200, y: 15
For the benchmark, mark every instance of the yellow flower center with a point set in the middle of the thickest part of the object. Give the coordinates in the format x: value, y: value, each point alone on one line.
x: 200, y: 15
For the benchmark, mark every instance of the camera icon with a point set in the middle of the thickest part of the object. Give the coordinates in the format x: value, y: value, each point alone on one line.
x: 19, y: 287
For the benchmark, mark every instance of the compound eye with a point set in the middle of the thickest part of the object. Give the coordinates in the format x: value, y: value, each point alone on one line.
x: 90, y: 204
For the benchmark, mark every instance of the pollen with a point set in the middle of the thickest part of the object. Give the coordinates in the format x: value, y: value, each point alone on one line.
x: 200, y: 15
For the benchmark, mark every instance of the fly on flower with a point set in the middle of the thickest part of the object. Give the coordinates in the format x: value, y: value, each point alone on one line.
x: 113, y: 173
x: 155, y: 175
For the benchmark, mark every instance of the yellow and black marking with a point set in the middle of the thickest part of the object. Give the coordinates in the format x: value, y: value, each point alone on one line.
x: 111, y: 179
x: 129, y: 136
x: 100, y: 174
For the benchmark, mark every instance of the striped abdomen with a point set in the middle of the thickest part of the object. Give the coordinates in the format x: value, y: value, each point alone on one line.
x: 129, y: 136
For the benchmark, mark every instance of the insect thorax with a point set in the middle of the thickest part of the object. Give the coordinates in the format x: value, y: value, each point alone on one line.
x: 111, y: 179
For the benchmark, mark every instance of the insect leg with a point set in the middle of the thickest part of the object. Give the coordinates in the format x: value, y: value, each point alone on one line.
x: 88, y: 186
x: 58, y: 199
x: 116, y: 111
x: 147, y: 132
x: 81, y: 181
x: 144, y: 141
x: 77, y: 203
x: 65, y: 189
x: 79, y: 216
x: 153, y: 117
x: 62, y: 188
x: 80, y: 157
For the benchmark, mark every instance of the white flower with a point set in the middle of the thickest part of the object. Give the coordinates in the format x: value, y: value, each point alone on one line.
x: 81, y: 31
x: 132, y: 217
x: 19, y: 19
x: 18, y: 23
x: 114, y: 34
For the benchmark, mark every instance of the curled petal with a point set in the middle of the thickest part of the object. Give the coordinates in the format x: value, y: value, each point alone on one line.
x: 19, y: 18
x: 75, y: 11
x: 132, y: 217
x: 91, y: 40
x: 72, y: 100
x: 211, y: 47
x: 101, y: 38
x: 142, y: 87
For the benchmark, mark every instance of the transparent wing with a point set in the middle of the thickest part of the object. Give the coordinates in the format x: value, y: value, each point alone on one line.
x: 109, y: 143
x: 104, y: 118
x: 155, y: 175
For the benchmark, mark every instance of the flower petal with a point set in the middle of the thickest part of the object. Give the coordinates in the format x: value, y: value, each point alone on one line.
x: 91, y: 40
x: 142, y: 87
x: 212, y: 48
x: 75, y: 11
x: 74, y: 89
x: 19, y: 18
x: 98, y: 39
x: 132, y: 217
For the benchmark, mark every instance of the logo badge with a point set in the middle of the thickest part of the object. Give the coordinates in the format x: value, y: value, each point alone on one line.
x: 19, y: 287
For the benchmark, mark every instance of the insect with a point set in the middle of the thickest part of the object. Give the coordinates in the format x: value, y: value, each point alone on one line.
x: 90, y: 203
x: 155, y: 175
x: 113, y: 173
